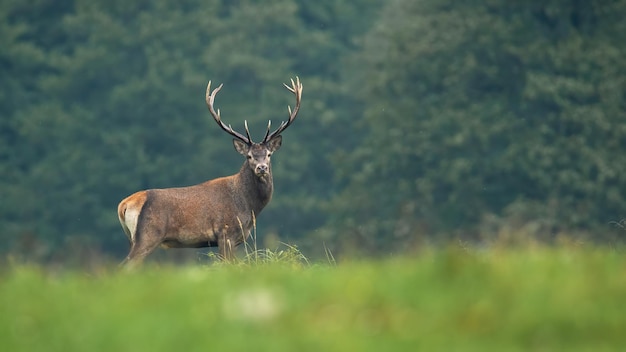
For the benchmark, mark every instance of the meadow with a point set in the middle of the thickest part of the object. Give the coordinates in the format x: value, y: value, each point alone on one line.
x: 566, y: 298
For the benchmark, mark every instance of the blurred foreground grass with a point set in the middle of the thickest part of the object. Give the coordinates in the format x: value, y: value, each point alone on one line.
x: 539, y: 299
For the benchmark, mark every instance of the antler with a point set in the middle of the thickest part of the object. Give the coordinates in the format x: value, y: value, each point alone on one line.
x: 296, y: 89
x: 210, y: 98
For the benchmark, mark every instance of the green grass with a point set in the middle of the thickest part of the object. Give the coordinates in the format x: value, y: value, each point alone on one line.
x: 533, y: 299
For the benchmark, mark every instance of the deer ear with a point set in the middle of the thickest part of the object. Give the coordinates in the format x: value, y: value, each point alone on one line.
x: 240, y: 147
x: 275, y: 143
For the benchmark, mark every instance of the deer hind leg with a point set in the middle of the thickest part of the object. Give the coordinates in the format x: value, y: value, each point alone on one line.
x: 143, y: 242
x: 138, y: 253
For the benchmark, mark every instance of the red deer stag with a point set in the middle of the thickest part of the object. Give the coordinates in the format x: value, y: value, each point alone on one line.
x: 218, y: 212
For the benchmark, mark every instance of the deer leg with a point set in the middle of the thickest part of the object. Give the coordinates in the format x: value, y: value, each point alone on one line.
x: 139, y: 250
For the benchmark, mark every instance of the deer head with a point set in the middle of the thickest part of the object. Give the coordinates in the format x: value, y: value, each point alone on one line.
x: 257, y: 154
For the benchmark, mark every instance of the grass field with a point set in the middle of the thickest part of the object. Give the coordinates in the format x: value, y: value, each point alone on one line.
x: 532, y: 299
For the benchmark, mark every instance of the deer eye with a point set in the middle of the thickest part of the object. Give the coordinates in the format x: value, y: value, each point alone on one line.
x: 249, y: 157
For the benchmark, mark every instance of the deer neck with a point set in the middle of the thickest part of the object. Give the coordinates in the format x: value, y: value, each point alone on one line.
x: 258, y: 190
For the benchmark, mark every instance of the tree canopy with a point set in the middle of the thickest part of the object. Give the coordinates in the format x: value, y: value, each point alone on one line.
x: 421, y: 120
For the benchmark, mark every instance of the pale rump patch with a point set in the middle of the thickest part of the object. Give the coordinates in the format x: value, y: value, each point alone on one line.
x: 128, y: 212
x: 131, y: 218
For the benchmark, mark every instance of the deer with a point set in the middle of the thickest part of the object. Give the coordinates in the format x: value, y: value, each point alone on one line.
x: 216, y: 213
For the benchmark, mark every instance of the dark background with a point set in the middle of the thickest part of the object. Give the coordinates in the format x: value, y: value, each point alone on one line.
x: 421, y: 122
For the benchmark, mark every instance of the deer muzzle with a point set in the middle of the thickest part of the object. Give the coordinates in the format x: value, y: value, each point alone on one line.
x: 261, y: 169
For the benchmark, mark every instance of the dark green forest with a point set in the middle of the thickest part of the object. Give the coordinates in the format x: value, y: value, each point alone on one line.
x: 422, y: 121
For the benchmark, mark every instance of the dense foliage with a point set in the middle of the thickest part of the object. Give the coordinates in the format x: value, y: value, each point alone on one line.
x: 479, y: 117
x: 420, y: 119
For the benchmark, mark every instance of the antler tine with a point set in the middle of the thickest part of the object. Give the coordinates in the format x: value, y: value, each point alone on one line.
x: 267, y: 133
x: 296, y: 89
x: 245, y: 123
x: 210, y: 99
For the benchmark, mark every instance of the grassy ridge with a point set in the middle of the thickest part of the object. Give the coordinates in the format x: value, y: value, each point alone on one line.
x: 501, y: 300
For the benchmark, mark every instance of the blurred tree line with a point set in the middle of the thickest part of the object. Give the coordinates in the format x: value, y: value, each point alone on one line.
x: 421, y: 120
